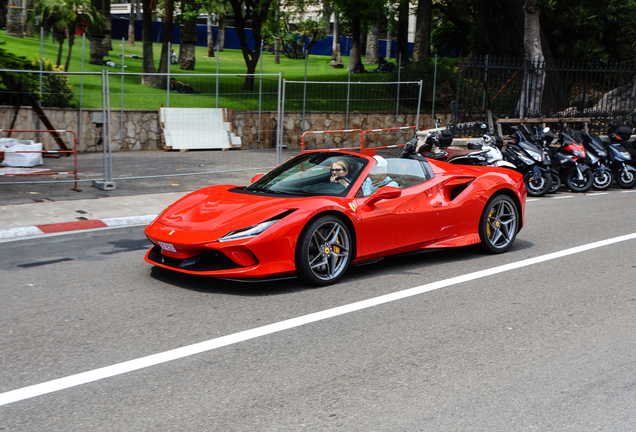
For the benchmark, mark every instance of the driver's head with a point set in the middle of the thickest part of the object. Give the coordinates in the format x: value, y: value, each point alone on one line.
x: 339, y: 167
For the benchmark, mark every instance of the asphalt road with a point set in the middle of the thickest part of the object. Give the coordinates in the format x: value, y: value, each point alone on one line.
x: 548, y: 346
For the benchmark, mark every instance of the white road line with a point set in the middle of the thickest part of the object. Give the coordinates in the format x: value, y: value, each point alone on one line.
x: 628, y: 191
x: 597, y: 193
x: 532, y: 199
x: 178, y: 353
x: 563, y: 197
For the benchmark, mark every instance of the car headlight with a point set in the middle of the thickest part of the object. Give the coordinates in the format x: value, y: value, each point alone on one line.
x: 252, y: 231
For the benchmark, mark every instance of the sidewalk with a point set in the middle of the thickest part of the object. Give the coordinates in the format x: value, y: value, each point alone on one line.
x: 33, y: 209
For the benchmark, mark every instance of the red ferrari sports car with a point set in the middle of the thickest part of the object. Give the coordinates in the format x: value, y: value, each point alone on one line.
x: 321, y: 211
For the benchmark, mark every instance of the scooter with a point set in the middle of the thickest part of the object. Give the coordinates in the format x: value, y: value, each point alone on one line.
x: 570, y: 155
x: 525, y: 153
x: 620, y: 158
x: 545, y: 138
x: 436, y: 146
x: 596, y: 156
x: 492, y: 145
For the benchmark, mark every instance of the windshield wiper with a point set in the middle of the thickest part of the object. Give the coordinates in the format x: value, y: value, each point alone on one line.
x: 266, y: 190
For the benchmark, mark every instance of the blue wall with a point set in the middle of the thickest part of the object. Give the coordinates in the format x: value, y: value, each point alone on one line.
x: 321, y: 47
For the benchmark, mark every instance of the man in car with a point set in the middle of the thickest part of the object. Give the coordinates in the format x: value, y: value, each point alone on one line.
x: 377, y: 178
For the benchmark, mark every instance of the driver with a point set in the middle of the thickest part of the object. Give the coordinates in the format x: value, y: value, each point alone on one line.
x: 339, y: 173
x: 377, y: 178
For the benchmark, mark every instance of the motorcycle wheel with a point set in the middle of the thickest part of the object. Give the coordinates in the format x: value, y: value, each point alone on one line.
x: 602, y: 180
x: 573, y: 182
x: 626, y: 180
x: 537, y: 187
x: 556, y: 183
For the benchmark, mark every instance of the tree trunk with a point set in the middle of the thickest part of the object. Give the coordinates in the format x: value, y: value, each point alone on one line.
x: 210, y: 36
x: 29, y: 25
x: 372, y: 46
x: 422, y: 45
x: 59, y: 51
x: 530, y: 104
x: 131, y: 25
x: 96, y: 40
x: 258, y: 18
x: 403, y: 32
x: 148, y: 65
x: 277, y: 39
x: 389, y: 44
x: 107, y: 42
x: 14, y: 18
x: 71, y: 42
x: 168, y: 28
x: 336, y: 57
x: 188, y: 42
x: 355, y: 56
x: 220, y: 38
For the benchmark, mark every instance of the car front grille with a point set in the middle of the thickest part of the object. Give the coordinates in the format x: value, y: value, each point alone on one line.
x: 205, y: 261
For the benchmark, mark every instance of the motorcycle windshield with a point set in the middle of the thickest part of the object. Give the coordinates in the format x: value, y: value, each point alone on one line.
x: 527, y: 136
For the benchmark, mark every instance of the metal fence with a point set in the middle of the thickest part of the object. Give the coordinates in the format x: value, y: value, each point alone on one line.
x: 496, y: 88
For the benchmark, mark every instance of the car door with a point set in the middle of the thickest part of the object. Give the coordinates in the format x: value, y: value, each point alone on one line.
x: 399, y: 224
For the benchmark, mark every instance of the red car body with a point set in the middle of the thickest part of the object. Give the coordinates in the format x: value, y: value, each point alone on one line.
x: 441, y: 212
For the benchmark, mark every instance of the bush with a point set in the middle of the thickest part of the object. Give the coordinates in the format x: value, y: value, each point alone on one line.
x: 16, y: 88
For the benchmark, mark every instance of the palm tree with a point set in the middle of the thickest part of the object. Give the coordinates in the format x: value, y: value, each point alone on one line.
x: 61, y: 15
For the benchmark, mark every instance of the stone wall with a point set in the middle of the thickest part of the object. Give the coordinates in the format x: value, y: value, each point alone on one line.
x: 141, y: 128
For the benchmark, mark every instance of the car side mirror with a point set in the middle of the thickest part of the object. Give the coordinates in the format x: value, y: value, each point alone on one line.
x: 257, y: 177
x: 386, y: 192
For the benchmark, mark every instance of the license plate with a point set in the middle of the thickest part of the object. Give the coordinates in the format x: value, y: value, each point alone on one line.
x: 167, y: 247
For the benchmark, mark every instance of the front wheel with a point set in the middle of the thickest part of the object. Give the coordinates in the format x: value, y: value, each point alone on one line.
x: 576, y: 183
x: 625, y: 179
x: 499, y: 224
x: 324, y: 251
x: 537, y: 186
x: 602, y: 179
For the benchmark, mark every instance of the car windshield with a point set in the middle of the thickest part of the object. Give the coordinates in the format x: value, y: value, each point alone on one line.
x: 312, y: 174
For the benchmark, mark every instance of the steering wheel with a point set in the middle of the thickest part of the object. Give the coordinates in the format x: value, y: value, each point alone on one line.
x: 337, y: 179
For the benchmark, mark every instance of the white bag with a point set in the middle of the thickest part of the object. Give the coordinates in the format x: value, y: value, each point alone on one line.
x: 12, y: 159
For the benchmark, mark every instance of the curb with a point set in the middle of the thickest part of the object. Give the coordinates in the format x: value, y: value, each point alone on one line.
x: 34, y: 230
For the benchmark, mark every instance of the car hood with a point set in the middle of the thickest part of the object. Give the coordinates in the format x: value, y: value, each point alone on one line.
x: 219, y: 208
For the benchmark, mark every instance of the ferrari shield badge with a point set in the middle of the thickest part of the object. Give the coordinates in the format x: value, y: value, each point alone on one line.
x: 353, y: 207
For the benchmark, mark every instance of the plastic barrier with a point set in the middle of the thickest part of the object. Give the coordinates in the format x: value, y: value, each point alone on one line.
x: 66, y: 152
x: 302, y: 139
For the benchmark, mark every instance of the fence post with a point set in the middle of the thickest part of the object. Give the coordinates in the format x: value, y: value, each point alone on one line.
x: 168, y: 78
x: 121, y: 108
x: 397, y: 101
x: 106, y: 183
x: 260, y: 96
x: 281, y: 114
x: 434, y: 86
x: 217, y: 75
x: 81, y: 98
x: 419, y: 101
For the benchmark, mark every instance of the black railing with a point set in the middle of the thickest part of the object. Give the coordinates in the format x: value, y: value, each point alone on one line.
x: 490, y: 88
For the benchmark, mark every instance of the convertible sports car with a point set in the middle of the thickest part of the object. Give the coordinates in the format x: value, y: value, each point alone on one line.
x: 321, y: 211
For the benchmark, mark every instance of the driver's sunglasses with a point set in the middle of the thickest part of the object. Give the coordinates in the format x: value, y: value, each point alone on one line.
x: 336, y: 169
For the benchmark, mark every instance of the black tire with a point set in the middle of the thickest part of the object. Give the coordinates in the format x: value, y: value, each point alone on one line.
x: 537, y: 187
x: 602, y: 180
x: 625, y: 179
x: 324, y: 251
x: 556, y: 183
x: 499, y: 224
x: 574, y: 183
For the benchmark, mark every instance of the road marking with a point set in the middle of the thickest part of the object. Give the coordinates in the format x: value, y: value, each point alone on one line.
x: 562, y: 197
x: 212, y: 344
x: 597, y: 193
x: 628, y: 191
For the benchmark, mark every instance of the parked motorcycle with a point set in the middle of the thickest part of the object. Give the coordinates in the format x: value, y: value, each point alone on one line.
x: 621, y: 158
x: 525, y: 153
x: 596, y: 156
x: 545, y: 139
x: 570, y: 156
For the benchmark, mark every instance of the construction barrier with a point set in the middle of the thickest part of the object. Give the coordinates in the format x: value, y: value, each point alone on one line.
x: 58, y: 152
x: 371, y: 150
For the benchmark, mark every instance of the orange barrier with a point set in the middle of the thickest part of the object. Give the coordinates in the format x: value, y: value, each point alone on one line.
x: 371, y: 150
x: 67, y: 152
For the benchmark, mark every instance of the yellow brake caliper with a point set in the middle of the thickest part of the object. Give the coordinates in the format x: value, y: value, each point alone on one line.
x: 488, y: 224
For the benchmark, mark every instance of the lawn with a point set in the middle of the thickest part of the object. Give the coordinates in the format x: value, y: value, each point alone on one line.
x: 224, y: 92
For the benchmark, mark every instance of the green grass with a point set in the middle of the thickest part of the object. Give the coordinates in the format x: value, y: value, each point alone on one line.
x: 231, y: 94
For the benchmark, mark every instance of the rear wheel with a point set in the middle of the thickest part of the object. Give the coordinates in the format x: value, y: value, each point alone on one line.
x: 625, y: 179
x: 537, y: 186
x: 576, y: 183
x: 499, y: 224
x: 556, y: 182
x: 324, y: 251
